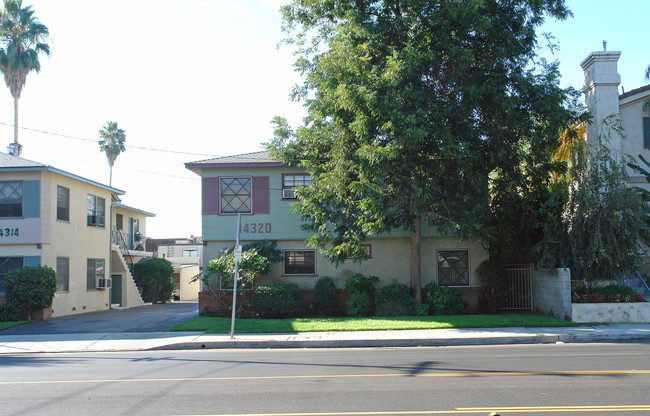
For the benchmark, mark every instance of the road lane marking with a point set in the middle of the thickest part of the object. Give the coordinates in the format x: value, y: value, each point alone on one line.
x: 341, y: 376
x: 469, y: 410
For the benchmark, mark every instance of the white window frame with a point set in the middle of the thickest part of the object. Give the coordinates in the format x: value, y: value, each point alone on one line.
x: 92, y: 211
x: 63, y: 274
x: 61, y: 204
x: 306, y: 178
x: 99, y: 272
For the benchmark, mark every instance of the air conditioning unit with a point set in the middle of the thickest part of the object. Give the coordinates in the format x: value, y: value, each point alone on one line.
x: 288, y: 194
x: 104, y: 283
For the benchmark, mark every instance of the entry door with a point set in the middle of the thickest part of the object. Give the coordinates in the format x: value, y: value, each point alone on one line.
x: 116, y: 289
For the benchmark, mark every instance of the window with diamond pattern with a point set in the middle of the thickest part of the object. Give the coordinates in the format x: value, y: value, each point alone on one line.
x: 235, y: 195
x: 453, y: 268
x: 11, y: 199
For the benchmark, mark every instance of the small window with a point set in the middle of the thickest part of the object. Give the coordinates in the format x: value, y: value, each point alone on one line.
x: 62, y: 274
x: 6, y: 264
x: 368, y: 249
x: 94, y: 272
x: 119, y: 221
x: 11, y: 199
x: 62, y: 203
x: 95, y: 211
x: 291, y: 181
x: 453, y: 267
x: 190, y: 253
x: 235, y: 195
x: 300, y: 262
x: 646, y: 132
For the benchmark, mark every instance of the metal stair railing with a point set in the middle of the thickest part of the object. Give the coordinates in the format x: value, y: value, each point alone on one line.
x: 118, y: 238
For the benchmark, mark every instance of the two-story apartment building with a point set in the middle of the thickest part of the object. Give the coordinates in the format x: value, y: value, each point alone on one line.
x: 62, y: 220
x: 263, y: 189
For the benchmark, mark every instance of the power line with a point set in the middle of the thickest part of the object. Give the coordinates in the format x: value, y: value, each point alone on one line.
x: 95, y: 141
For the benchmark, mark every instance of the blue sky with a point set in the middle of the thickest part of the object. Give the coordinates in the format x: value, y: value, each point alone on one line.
x: 201, y: 78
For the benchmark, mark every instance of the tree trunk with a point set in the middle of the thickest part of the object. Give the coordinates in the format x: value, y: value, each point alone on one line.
x: 16, y: 145
x: 416, y: 276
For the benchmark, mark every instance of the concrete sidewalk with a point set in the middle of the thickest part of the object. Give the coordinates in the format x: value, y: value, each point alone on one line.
x: 142, y: 341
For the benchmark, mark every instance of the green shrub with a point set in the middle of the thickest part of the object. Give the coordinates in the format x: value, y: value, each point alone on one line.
x: 443, y: 300
x: 30, y: 288
x: 584, y: 292
x: 8, y: 313
x: 495, y: 286
x: 422, y: 310
x: 325, y: 296
x: 358, y: 304
x: 277, y: 300
x: 360, y: 288
x: 394, y: 300
x: 155, y: 279
x: 361, y: 283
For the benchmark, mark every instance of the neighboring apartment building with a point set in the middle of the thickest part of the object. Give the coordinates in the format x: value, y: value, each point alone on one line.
x: 264, y: 189
x: 185, y: 255
x: 602, y: 99
x: 55, y: 218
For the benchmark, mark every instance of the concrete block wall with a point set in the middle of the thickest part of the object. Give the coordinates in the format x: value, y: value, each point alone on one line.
x: 552, y: 292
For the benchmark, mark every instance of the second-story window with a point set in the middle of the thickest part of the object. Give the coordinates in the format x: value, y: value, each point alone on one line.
x: 291, y: 181
x: 62, y: 203
x: 236, y: 195
x: 11, y: 199
x: 96, y: 210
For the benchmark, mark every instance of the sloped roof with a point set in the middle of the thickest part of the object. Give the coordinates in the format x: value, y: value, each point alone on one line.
x: 255, y: 159
x: 10, y: 163
x: 634, y: 92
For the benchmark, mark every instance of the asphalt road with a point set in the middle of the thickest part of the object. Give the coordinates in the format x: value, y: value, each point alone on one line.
x: 561, y: 379
x: 152, y: 318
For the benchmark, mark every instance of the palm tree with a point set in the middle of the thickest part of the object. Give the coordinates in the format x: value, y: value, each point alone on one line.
x: 112, y: 143
x: 22, y: 39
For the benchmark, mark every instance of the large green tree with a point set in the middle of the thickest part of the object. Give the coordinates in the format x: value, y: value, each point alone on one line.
x: 112, y: 143
x: 420, y: 113
x: 22, y: 39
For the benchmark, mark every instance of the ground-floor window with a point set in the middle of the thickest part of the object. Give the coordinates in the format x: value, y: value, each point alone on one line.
x: 299, y: 262
x: 62, y: 274
x: 94, y: 272
x: 6, y: 264
x: 453, y: 267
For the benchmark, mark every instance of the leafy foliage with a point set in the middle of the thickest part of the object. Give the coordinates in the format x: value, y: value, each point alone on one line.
x: 360, y: 289
x: 593, y: 293
x: 443, y: 300
x: 394, y: 300
x: 30, y: 288
x: 495, y: 285
x: 277, y: 300
x: 598, y: 232
x: 155, y: 279
x: 325, y: 296
x: 419, y: 112
x: 257, y: 258
x: 9, y: 313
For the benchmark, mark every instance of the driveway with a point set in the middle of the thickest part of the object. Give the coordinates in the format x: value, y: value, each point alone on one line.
x: 152, y: 318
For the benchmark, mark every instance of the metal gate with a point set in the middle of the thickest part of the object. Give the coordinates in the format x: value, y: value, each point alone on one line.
x: 520, y: 287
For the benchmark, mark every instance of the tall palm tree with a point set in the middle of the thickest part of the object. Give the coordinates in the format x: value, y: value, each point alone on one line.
x: 112, y: 143
x: 22, y: 39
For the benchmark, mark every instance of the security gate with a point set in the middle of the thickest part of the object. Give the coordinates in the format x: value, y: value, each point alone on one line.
x: 519, y: 294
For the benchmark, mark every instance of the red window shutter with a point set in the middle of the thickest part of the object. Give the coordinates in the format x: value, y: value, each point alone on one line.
x: 261, y: 195
x: 210, y: 196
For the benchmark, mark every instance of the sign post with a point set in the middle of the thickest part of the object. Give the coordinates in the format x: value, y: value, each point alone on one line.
x: 234, y: 290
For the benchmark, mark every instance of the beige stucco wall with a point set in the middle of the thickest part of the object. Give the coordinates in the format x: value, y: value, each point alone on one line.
x: 390, y: 261
x: 186, y: 289
x: 77, y: 241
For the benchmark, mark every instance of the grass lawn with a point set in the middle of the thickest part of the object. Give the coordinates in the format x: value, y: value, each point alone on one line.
x: 7, y: 325
x: 222, y: 325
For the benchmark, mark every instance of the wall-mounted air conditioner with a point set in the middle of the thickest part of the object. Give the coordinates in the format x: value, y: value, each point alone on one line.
x: 104, y: 283
x: 288, y: 194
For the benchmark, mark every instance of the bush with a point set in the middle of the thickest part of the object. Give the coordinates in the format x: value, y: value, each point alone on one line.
x: 325, y: 297
x: 277, y: 300
x: 360, y: 288
x: 394, y: 300
x: 155, y: 279
x: 8, y: 313
x: 30, y: 288
x: 495, y: 286
x: 443, y: 300
x: 358, y: 304
x: 591, y: 293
